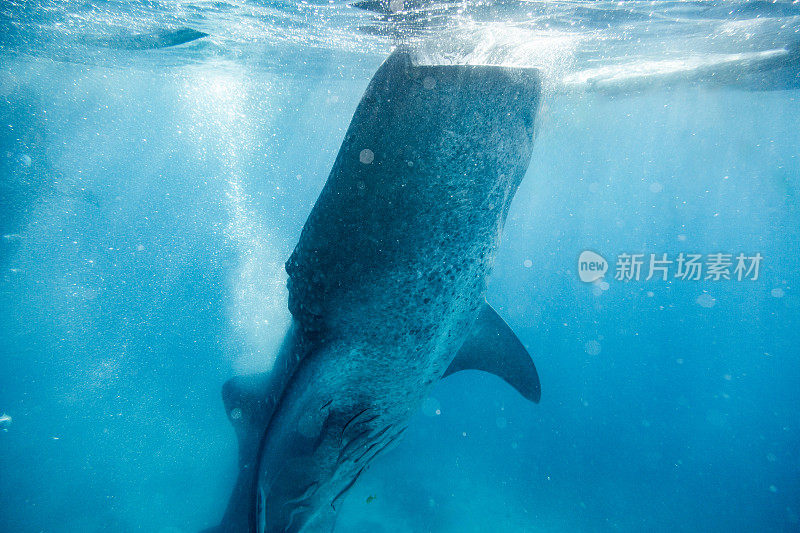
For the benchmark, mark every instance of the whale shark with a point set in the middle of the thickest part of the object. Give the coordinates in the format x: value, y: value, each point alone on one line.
x: 387, y: 288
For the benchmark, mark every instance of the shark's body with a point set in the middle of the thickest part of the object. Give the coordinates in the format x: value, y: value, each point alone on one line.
x: 386, y: 288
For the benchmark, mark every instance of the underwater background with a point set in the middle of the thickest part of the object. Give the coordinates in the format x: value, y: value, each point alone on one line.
x: 153, y: 181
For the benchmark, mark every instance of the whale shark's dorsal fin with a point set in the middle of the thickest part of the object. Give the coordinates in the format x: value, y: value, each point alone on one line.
x: 491, y: 346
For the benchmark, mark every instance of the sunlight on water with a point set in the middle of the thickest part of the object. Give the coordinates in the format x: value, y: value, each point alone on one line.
x: 472, y: 43
x: 214, y: 95
x: 633, y: 74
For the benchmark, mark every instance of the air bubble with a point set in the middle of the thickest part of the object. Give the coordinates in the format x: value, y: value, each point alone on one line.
x: 592, y: 348
x: 706, y: 300
x: 366, y: 156
x: 431, y: 407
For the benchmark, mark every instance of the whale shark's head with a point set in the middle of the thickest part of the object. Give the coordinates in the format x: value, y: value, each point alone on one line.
x: 294, y: 480
x: 314, y: 452
x: 302, y: 449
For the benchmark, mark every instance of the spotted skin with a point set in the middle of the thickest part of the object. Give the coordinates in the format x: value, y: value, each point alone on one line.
x: 386, y: 281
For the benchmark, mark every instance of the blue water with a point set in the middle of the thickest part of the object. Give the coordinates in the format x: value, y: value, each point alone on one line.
x: 149, y: 198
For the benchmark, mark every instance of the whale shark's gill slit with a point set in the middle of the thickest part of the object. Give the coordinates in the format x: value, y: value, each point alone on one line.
x: 326, y: 405
x: 306, y: 494
x: 347, y: 425
x: 380, y: 433
x: 359, y: 439
x: 378, y: 440
x: 391, y: 440
x: 386, y: 445
x: 370, y: 419
x: 347, y: 488
x: 369, y: 449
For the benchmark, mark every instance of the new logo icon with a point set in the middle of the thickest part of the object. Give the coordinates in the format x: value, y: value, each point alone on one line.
x: 591, y: 266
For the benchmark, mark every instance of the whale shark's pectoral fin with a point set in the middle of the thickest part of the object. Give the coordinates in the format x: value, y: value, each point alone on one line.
x: 491, y: 346
x: 249, y: 404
